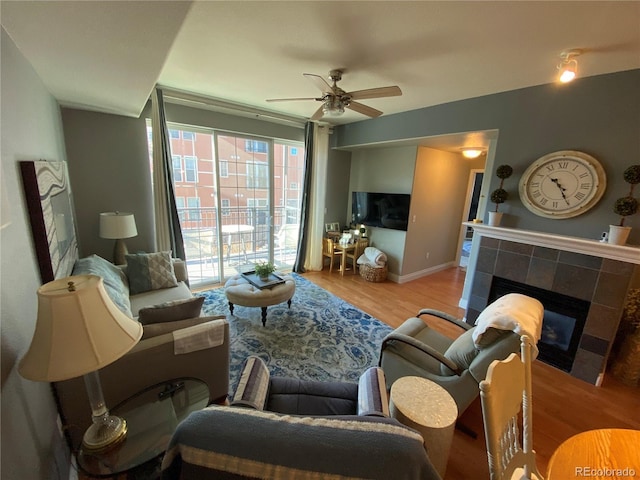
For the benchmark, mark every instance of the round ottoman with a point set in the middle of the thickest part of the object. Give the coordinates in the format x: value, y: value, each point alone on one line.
x: 240, y: 292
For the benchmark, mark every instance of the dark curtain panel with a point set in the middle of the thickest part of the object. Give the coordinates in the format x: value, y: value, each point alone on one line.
x: 175, y: 232
x: 301, y: 253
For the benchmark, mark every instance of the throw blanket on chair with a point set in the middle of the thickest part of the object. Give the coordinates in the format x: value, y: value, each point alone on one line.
x: 236, y: 442
x: 519, y: 313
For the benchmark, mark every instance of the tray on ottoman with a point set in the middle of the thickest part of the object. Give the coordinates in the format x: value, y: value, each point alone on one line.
x: 256, y: 281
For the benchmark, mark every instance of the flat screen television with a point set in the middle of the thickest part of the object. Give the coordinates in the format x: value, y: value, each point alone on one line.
x: 384, y: 210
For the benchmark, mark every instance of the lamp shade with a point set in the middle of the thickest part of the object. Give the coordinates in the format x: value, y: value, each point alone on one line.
x: 117, y: 225
x: 79, y: 330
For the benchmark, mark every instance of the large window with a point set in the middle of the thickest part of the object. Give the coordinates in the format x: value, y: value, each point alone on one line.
x: 238, y: 200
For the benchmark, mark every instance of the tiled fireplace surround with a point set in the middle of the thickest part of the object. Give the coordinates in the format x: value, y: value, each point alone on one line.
x: 553, y: 266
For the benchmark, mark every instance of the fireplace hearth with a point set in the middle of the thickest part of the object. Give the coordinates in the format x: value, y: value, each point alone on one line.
x: 562, y: 325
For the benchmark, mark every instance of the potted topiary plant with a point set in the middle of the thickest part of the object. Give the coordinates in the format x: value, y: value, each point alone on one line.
x: 264, y: 269
x: 499, y: 195
x: 625, y: 206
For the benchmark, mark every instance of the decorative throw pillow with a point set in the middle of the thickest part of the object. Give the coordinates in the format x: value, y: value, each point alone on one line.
x: 171, y: 311
x: 113, y: 278
x: 462, y: 352
x: 150, y: 271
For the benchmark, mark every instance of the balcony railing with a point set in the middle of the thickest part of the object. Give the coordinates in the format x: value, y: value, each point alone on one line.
x: 242, y: 239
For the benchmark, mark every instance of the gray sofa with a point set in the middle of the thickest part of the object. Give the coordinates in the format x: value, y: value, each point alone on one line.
x: 152, y: 360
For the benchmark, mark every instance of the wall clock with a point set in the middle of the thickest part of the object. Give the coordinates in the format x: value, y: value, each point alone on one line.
x: 562, y: 184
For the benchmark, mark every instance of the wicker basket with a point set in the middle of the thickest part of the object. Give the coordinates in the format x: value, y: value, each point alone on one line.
x: 372, y: 274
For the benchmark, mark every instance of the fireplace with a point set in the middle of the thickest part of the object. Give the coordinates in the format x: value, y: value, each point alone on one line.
x: 578, y: 270
x: 562, y: 325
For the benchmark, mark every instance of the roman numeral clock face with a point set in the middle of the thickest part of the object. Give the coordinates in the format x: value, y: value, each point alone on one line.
x: 562, y: 184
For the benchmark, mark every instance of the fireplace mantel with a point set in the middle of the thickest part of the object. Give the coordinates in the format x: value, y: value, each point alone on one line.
x: 622, y: 253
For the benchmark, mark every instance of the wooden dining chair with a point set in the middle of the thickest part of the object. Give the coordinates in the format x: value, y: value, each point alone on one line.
x: 354, y: 254
x: 328, y: 250
x: 506, y: 405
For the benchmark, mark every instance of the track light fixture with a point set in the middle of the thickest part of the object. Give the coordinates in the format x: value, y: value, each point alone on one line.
x: 569, y: 66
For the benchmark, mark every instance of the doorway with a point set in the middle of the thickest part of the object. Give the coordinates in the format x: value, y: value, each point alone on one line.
x: 469, y: 213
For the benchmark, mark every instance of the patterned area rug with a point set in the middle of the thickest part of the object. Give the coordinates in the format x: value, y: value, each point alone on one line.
x: 321, y: 337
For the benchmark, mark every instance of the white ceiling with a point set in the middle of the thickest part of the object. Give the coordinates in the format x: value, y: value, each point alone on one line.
x: 107, y: 56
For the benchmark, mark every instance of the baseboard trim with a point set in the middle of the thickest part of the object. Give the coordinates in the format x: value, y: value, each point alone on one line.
x: 421, y: 273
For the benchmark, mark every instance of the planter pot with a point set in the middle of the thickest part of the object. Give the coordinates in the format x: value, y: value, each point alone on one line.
x: 495, y: 218
x: 618, y: 235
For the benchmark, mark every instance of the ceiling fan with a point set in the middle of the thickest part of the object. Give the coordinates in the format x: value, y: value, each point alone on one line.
x: 335, y: 100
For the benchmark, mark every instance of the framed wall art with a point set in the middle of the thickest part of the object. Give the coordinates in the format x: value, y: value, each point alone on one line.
x: 51, y: 214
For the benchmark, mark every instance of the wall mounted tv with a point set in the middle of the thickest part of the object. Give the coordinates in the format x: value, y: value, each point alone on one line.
x: 384, y: 210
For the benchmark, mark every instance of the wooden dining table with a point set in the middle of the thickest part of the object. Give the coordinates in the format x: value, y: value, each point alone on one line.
x: 608, y: 453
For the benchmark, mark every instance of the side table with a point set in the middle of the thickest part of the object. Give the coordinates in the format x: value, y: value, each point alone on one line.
x: 428, y: 408
x: 152, y: 415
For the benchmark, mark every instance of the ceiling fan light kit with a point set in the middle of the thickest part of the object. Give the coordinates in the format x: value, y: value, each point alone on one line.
x: 335, y: 100
x: 569, y: 66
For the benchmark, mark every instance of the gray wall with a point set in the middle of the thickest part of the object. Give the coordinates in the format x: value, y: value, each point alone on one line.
x: 31, y: 130
x: 109, y: 166
x: 598, y: 115
x: 338, y: 170
x: 109, y: 170
x: 386, y: 170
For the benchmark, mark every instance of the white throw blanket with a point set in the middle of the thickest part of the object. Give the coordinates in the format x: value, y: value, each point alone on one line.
x: 515, y: 312
x: 205, y: 335
x: 373, y: 257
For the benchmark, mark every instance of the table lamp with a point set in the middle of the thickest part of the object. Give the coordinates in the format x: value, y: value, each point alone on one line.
x: 78, y: 331
x: 118, y: 225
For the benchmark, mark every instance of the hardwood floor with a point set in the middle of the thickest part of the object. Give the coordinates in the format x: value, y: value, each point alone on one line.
x: 562, y: 405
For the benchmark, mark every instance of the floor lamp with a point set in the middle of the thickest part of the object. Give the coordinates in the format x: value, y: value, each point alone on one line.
x: 117, y: 226
x: 78, y: 331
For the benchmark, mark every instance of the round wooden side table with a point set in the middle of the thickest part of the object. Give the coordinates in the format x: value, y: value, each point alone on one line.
x: 608, y: 453
x: 428, y: 408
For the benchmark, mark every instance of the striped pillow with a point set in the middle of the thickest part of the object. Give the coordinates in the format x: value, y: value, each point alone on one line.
x: 150, y: 271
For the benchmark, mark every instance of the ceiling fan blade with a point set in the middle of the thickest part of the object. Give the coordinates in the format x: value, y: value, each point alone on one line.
x: 380, y: 92
x: 318, y: 115
x: 364, y: 109
x: 320, y: 82
x: 290, y: 99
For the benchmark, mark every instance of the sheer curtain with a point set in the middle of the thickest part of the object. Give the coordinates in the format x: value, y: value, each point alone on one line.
x: 167, y: 223
x: 315, y: 188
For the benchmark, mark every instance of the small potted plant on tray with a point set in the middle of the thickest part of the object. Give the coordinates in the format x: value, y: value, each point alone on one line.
x: 625, y: 206
x: 264, y: 269
x: 499, y: 195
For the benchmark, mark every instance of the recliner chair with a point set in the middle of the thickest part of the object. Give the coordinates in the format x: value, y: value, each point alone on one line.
x: 460, y: 365
x: 278, y: 427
